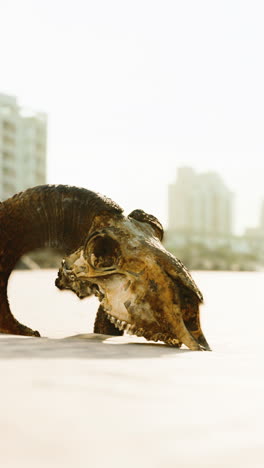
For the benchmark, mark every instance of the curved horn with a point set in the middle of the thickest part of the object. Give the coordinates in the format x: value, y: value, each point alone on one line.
x: 46, y: 215
x: 143, y: 217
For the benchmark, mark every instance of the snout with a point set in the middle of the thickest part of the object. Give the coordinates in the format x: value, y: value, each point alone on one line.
x: 183, y: 313
x: 169, y: 292
x: 63, y: 280
x: 66, y: 279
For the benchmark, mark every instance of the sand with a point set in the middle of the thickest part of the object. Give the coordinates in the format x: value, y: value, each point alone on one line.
x: 74, y: 399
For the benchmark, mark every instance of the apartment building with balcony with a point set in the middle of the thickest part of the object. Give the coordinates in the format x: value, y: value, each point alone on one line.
x: 23, y: 135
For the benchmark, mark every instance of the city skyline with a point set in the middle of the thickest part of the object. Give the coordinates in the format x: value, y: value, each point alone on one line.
x: 29, y: 118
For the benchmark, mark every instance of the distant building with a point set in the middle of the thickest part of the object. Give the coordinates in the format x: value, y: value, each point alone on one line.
x: 261, y: 221
x: 258, y: 231
x: 199, y: 205
x: 200, y: 225
x: 23, y: 137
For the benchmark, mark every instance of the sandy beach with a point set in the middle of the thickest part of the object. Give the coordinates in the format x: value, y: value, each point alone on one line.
x: 75, y: 399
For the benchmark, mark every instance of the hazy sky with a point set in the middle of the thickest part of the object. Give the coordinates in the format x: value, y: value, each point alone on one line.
x: 134, y: 89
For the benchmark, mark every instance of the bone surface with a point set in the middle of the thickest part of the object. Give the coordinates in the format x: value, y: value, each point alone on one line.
x: 142, y: 288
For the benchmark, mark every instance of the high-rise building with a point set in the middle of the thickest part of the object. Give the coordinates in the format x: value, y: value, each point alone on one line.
x: 23, y: 135
x: 199, y: 204
x: 257, y: 232
x: 261, y: 221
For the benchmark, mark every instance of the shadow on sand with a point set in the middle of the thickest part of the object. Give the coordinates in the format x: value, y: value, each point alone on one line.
x: 90, y: 346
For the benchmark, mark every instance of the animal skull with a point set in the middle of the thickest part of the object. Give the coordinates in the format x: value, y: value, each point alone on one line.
x: 143, y: 289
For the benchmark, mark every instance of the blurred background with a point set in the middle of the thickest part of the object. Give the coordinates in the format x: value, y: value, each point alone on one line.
x: 158, y: 105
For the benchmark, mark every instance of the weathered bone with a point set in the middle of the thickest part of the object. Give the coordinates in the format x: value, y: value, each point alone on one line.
x: 141, y: 284
x: 142, y: 288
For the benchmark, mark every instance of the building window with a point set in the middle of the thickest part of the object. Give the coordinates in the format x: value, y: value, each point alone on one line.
x: 8, y: 156
x: 8, y: 126
x: 8, y: 140
x: 9, y: 172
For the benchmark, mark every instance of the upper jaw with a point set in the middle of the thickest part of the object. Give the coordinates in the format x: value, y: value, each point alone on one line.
x: 141, y: 259
x: 140, y: 319
x: 126, y: 310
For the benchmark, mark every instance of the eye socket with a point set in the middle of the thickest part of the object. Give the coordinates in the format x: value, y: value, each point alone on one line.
x: 102, y: 252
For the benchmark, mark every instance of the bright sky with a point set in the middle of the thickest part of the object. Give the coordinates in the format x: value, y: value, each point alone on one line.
x: 134, y: 89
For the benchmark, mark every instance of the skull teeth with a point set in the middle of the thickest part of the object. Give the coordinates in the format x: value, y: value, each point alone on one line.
x: 132, y: 330
x: 157, y: 337
x: 122, y: 325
